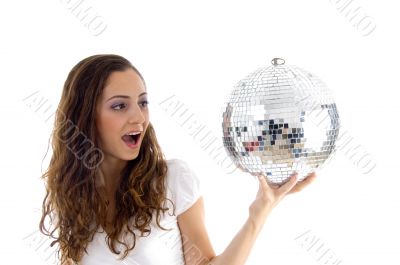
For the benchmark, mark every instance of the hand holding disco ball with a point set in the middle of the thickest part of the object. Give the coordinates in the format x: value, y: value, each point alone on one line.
x: 279, y: 120
x: 268, y: 197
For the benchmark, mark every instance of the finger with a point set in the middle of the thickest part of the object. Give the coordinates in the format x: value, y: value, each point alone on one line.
x: 260, y: 187
x: 304, y: 183
x: 262, y: 181
x: 285, y: 188
x: 264, y: 186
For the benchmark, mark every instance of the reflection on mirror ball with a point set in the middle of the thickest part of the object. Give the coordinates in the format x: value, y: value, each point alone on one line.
x: 279, y: 120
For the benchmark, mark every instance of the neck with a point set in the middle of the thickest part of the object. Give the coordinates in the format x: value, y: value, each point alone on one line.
x: 110, y: 173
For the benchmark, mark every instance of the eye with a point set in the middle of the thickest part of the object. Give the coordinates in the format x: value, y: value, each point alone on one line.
x: 118, y: 106
x: 144, y: 102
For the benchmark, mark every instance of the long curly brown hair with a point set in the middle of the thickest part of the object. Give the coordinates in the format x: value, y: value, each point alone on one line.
x: 73, y: 202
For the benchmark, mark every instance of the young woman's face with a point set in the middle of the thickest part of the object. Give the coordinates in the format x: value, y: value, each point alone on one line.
x: 121, y: 109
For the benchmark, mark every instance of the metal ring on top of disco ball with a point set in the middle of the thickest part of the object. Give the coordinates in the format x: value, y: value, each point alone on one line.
x: 278, y: 61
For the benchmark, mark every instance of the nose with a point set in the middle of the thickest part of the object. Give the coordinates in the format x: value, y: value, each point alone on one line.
x: 136, y: 115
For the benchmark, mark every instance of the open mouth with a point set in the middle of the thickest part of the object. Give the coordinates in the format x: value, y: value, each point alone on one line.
x: 131, y: 139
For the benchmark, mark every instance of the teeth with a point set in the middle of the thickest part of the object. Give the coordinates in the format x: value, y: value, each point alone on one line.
x: 133, y: 133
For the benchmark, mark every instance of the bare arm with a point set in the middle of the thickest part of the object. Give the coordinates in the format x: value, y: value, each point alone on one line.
x: 194, y: 233
x: 239, y: 248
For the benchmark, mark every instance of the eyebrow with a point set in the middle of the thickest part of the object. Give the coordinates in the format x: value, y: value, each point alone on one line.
x: 125, y: 96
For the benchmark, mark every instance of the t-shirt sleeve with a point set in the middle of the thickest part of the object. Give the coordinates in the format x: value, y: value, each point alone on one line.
x: 184, y: 185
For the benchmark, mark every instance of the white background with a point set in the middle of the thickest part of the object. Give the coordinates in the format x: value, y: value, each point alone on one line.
x: 197, y: 51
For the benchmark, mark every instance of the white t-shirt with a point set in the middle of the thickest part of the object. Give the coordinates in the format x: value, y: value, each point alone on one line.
x: 159, y: 247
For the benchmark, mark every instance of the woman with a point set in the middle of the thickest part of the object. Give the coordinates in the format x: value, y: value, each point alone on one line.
x: 112, y: 197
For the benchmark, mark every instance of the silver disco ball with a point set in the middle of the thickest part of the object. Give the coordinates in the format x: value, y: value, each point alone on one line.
x: 279, y: 120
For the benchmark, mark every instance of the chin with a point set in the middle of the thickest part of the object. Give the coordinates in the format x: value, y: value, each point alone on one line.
x: 133, y: 156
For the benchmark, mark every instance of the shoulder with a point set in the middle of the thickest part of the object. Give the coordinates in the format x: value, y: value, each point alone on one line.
x: 181, y: 175
x: 182, y: 183
x: 176, y: 164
